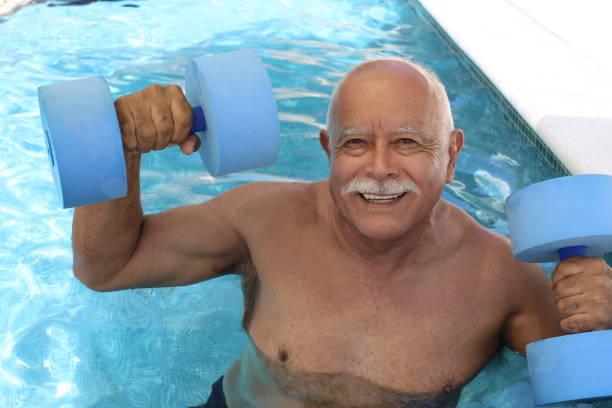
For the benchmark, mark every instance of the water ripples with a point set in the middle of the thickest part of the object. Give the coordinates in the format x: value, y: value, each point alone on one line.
x: 63, y: 345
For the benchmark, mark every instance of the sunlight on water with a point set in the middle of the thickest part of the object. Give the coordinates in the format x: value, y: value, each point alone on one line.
x: 62, y: 345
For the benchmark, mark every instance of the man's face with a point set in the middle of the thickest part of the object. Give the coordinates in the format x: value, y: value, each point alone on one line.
x: 389, y: 120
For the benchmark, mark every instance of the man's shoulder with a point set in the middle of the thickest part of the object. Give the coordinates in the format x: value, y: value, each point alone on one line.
x: 275, y: 192
x: 493, y: 248
x: 473, y: 232
x: 265, y: 199
x: 495, y: 253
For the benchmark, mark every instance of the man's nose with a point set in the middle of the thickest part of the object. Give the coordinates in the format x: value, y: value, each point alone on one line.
x: 381, y: 164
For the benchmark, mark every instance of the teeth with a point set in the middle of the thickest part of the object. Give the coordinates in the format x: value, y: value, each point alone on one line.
x: 380, y: 197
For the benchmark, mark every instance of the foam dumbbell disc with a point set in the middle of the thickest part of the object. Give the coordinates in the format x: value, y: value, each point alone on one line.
x: 234, y: 113
x: 558, y: 213
x: 236, y: 96
x: 571, y: 368
x: 83, y: 141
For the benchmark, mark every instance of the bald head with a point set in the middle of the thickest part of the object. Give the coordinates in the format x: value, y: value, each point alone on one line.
x: 424, y: 83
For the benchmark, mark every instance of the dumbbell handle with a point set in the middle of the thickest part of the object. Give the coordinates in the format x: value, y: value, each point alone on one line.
x: 568, y: 252
x: 199, y: 121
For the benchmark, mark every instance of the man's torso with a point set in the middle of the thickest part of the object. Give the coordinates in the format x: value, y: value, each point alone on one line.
x: 331, y: 329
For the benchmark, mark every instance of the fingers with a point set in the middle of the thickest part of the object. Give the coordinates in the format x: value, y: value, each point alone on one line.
x: 576, y: 265
x: 161, y: 116
x: 580, y: 275
x: 181, y: 114
x: 568, y: 267
x: 155, y: 118
x: 572, y: 305
x: 190, y: 145
x: 582, y: 322
x: 583, y: 291
x: 583, y: 313
x: 126, y: 124
x: 570, y: 286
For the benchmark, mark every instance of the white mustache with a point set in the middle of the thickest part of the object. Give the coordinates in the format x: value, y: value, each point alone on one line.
x: 377, y: 187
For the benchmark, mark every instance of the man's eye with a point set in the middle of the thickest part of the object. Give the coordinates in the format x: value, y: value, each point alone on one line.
x: 355, y: 141
x: 406, y: 140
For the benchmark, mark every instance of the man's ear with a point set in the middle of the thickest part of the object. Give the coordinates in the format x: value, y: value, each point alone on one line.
x: 454, y: 147
x: 324, y: 141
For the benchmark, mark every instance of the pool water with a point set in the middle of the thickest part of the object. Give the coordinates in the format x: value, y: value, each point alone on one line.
x: 62, y: 345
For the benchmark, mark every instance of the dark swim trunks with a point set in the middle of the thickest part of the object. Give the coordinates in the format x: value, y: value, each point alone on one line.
x: 216, y: 398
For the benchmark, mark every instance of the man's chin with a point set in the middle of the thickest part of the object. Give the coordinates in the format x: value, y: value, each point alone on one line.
x: 383, y: 230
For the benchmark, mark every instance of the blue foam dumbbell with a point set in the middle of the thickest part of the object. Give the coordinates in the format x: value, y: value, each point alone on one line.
x: 551, y: 221
x: 234, y: 114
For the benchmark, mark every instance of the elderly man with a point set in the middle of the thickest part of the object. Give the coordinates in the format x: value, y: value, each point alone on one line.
x: 364, y: 290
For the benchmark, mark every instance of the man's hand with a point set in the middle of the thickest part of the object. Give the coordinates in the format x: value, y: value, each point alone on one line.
x: 155, y: 118
x: 583, y: 290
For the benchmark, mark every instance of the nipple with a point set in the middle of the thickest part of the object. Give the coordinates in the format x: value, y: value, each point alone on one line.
x: 450, y: 388
x: 282, y: 354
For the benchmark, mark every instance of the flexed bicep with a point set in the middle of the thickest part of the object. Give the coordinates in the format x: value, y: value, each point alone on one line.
x: 184, y: 245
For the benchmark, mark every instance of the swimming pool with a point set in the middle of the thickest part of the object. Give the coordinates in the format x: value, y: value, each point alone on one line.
x: 62, y: 345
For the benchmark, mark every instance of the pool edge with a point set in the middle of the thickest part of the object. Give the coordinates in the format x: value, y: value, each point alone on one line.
x: 572, y: 119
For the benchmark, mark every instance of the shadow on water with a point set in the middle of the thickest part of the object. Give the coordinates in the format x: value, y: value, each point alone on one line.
x: 85, y: 2
x: 14, y: 6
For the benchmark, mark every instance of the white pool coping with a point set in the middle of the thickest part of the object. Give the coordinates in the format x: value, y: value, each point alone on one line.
x: 552, y: 60
x: 10, y: 6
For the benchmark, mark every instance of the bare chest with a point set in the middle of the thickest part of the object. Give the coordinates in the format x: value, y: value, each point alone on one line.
x: 316, y: 314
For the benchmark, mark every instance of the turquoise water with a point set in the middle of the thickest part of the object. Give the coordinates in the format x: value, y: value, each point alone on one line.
x: 62, y: 345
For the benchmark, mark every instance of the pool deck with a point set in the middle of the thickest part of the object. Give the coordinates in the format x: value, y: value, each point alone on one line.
x: 10, y: 6
x: 551, y: 59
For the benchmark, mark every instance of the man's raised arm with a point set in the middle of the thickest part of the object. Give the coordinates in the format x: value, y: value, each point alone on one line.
x: 117, y: 247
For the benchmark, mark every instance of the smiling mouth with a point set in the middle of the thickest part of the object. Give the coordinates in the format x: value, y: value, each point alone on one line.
x: 381, y: 199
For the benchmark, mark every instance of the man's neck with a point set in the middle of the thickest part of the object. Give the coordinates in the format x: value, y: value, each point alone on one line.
x: 418, y: 245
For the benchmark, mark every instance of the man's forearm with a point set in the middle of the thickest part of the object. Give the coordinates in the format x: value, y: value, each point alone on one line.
x: 104, y: 235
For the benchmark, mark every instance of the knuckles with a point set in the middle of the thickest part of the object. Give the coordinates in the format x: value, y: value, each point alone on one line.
x: 174, y: 89
x: 183, y: 122
x: 154, y: 117
x: 164, y: 125
x: 154, y: 89
x: 147, y: 134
